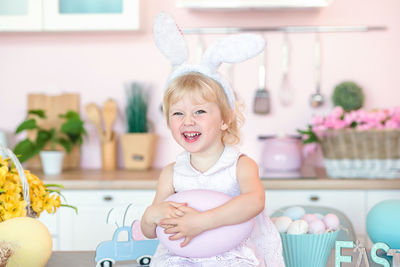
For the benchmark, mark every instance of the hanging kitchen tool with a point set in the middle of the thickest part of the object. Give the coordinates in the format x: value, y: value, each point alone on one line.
x: 285, y: 94
x: 109, y: 113
x: 317, y: 99
x: 261, y: 103
x: 94, y: 116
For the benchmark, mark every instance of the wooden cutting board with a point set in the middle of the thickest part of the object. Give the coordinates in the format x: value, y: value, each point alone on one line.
x: 54, y: 105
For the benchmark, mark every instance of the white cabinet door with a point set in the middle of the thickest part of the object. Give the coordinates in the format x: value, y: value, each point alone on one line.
x: 20, y: 15
x: 350, y: 202
x: 87, y: 15
x: 85, y: 230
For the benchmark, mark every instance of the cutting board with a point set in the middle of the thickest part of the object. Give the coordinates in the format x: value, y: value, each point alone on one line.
x: 54, y: 105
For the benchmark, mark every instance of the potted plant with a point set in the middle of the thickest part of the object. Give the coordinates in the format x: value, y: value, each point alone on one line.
x: 139, y: 144
x: 49, y: 141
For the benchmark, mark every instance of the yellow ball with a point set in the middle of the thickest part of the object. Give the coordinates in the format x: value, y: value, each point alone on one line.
x: 31, y: 240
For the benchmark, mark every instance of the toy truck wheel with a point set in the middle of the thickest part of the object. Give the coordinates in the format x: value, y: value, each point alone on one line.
x: 105, y: 263
x: 144, y: 260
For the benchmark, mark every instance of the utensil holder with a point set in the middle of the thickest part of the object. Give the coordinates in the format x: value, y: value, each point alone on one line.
x: 109, y: 153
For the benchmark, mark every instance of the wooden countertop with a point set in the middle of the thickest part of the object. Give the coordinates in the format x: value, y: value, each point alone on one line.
x: 125, y: 179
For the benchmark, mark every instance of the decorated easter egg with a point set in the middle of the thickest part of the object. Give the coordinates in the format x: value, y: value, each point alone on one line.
x: 316, y: 227
x: 331, y: 222
x: 295, y: 212
x: 30, y: 241
x: 211, y: 242
x: 298, y: 227
x: 383, y: 223
x: 309, y: 217
x: 282, y: 223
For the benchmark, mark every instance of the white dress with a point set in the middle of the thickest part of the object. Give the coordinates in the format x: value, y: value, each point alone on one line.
x: 262, y: 248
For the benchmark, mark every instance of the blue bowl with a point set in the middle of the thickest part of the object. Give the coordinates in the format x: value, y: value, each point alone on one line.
x: 308, y: 250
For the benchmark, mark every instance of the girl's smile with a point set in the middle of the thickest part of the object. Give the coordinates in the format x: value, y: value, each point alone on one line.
x: 191, y: 137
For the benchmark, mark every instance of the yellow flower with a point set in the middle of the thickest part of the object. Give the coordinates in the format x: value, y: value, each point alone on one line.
x: 12, y: 202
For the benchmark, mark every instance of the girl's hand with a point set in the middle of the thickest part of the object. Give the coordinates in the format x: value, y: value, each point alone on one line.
x: 168, y: 209
x: 187, y: 226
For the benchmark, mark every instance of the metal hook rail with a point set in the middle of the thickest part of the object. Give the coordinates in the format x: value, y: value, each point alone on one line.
x: 286, y: 29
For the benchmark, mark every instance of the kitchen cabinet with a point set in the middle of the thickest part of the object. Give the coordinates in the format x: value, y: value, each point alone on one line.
x: 85, y: 230
x: 69, y: 15
x: 20, y: 15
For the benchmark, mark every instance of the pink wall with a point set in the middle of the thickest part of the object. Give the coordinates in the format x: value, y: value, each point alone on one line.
x: 98, y: 64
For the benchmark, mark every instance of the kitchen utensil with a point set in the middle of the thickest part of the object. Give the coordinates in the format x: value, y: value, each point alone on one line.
x: 262, y: 98
x: 285, y: 94
x: 281, y: 156
x: 109, y: 113
x: 317, y: 99
x: 94, y: 116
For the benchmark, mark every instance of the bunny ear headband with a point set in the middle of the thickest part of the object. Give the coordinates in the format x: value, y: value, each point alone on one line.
x: 232, y: 49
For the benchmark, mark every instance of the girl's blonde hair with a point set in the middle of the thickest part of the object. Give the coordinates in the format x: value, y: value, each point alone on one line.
x: 201, y: 87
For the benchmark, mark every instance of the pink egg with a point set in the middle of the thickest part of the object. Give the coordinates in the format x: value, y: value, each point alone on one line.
x: 309, y: 217
x: 331, y: 222
x: 282, y: 223
x: 316, y: 227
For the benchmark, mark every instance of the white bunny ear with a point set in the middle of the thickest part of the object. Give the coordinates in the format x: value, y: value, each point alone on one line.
x: 169, y: 39
x: 233, y: 49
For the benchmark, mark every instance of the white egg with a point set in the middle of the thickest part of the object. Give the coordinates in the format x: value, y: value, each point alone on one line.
x: 295, y: 212
x: 282, y: 223
x: 298, y: 227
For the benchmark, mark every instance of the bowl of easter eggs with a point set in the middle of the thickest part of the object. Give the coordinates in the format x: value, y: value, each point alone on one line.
x: 307, y: 238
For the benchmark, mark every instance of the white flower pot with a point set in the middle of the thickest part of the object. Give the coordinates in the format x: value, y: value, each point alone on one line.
x: 52, y: 162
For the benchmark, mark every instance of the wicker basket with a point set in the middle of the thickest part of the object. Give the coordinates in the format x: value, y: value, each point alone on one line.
x: 25, y: 185
x: 362, y: 154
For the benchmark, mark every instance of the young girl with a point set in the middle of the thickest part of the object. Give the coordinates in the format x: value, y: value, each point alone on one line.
x: 200, y: 112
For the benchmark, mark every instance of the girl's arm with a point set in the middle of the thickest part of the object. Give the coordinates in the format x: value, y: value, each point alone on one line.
x: 159, y: 209
x: 247, y: 205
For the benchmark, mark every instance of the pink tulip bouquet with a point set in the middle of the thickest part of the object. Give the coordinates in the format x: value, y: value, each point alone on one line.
x: 359, y: 120
x: 357, y: 144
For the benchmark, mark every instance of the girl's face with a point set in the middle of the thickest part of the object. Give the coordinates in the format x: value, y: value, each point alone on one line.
x: 196, y: 125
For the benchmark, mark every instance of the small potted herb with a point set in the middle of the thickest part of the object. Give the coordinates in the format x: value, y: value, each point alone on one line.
x: 138, y: 144
x: 48, y: 141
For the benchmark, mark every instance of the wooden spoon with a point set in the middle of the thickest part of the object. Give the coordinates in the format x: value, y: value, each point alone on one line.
x: 93, y: 114
x: 109, y: 114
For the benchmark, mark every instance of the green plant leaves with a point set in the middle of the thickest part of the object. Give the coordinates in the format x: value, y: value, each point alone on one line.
x: 136, y: 108
x: 25, y: 149
x: 69, y: 134
x: 38, y: 112
x: 29, y: 124
x: 73, y: 127
x: 311, y: 137
x: 65, y: 143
